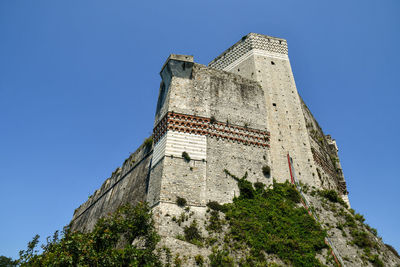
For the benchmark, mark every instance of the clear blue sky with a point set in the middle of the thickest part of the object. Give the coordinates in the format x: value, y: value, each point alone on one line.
x: 79, y: 83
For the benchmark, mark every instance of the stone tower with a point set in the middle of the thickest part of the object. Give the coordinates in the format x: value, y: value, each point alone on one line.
x: 265, y: 59
x: 241, y: 114
x: 218, y: 120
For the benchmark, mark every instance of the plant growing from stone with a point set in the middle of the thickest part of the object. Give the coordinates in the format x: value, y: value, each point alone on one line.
x: 186, y: 156
x: 181, y: 202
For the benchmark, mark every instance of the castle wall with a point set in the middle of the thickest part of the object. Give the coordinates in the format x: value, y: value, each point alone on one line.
x: 216, y: 117
x: 126, y: 185
x: 293, y: 128
x: 237, y: 159
x: 325, y: 156
x: 264, y: 59
x: 240, y: 114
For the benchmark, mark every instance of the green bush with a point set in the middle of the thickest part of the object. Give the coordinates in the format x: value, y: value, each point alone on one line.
x: 374, y: 259
x: 332, y: 196
x: 350, y: 222
x: 7, y: 262
x: 214, y: 223
x: 372, y: 230
x: 186, y: 156
x: 148, y: 142
x: 361, y: 239
x: 270, y: 221
x: 220, y: 258
x: 359, y: 217
x: 214, y: 205
x: 199, y: 260
x: 259, y: 186
x: 192, y: 233
x: 99, y: 247
x: 181, y: 202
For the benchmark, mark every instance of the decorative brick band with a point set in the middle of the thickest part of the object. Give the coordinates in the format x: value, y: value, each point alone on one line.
x: 261, y: 44
x: 206, y: 126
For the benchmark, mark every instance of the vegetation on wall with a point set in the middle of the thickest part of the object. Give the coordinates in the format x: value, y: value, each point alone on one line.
x: 148, y: 142
x: 181, y: 202
x: 261, y: 227
x: 269, y: 221
x: 186, y: 156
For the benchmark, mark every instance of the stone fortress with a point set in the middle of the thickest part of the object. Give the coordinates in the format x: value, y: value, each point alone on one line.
x: 241, y: 113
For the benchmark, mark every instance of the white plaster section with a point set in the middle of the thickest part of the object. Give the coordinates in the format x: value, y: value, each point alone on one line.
x: 159, y: 150
x: 257, y: 52
x: 174, y: 143
x: 195, y: 145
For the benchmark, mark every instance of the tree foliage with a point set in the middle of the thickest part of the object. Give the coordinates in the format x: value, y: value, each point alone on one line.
x: 126, y: 238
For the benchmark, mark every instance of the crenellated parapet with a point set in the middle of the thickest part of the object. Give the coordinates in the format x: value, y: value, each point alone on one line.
x: 249, y: 45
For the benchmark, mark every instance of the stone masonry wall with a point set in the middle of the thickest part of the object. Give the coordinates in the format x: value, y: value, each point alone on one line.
x: 226, y: 108
x: 126, y: 185
x: 325, y: 155
x: 265, y: 60
x: 240, y: 114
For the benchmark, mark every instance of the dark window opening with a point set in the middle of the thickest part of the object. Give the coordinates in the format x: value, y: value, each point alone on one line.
x: 274, y: 104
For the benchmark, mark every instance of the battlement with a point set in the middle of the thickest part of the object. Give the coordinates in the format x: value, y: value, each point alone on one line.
x: 252, y: 43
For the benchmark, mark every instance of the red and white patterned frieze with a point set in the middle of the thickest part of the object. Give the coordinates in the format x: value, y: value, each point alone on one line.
x: 206, y: 126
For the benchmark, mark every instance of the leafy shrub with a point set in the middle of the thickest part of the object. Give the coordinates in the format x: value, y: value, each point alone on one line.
x: 7, y: 262
x: 99, y: 247
x: 177, y: 260
x: 361, y: 239
x: 269, y: 221
x: 199, y: 260
x: 148, y: 142
x: 350, y: 222
x: 186, y: 156
x: 181, y: 202
x: 192, y: 233
x: 220, y: 258
x: 359, y: 217
x: 259, y: 186
x: 214, y: 205
x: 214, y: 223
x: 371, y: 230
x: 266, y: 170
x: 374, y: 259
x: 331, y: 195
x: 292, y: 194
